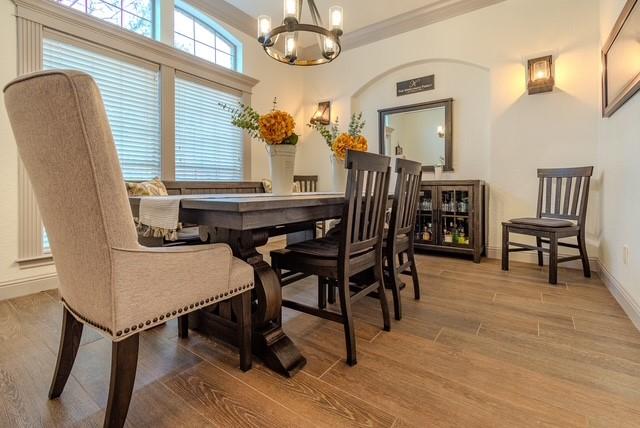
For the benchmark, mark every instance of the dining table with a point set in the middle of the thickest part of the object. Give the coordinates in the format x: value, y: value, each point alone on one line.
x: 246, y: 222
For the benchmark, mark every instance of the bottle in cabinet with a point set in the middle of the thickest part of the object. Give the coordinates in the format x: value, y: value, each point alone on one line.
x: 448, y: 236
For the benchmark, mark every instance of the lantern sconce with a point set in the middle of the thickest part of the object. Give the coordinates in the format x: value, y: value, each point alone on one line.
x: 322, y: 115
x: 540, y: 71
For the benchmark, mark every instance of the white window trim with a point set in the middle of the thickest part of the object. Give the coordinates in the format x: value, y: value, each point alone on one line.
x: 35, y: 17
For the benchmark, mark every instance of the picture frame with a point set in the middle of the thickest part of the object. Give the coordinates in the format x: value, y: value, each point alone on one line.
x: 620, y: 76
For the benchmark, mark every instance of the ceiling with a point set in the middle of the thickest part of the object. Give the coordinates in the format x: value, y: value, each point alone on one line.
x: 357, y: 13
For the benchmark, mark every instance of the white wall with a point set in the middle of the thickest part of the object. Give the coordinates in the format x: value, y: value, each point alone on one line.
x: 467, y: 84
x: 619, y: 151
x: 275, y: 80
x: 514, y: 133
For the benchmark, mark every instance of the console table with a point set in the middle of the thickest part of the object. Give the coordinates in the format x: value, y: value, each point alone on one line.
x: 452, y: 217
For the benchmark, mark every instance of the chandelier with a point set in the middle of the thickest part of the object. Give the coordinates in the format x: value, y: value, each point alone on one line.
x: 301, y: 44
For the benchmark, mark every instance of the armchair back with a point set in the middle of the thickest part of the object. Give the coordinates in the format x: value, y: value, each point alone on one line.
x: 65, y: 142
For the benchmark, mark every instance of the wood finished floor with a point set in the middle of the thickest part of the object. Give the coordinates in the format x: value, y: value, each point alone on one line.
x: 482, y: 348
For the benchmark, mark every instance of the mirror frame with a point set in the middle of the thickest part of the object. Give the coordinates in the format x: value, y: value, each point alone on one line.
x: 448, y: 133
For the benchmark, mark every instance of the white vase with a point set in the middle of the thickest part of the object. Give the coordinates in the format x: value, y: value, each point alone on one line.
x: 339, y: 175
x: 282, y: 159
x: 438, y: 172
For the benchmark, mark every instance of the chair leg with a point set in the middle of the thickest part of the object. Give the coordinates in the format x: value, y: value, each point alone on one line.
x: 244, y: 330
x: 414, y: 273
x: 505, y: 247
x: 585, y: 257
x: 124, y: 361
x: 347, y: 321
x: 392, y: 275
x: 379, y: 274
x: 322, y: 292
x: 539, y: 245
x: 69, y: 343
x: 331, y: 290
x: 553, y: 259
x: 183, y: 326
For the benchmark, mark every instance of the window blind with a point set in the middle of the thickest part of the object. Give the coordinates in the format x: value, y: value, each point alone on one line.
x: 131, y: 96
x: 208, y: 146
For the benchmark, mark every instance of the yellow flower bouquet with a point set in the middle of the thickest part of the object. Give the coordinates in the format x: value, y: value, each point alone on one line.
x: 275, y: 127
x: 338, y: 142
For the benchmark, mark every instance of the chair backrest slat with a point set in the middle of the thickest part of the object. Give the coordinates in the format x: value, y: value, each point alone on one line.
x: 567, y: 196
x: 365, y: 202
x: 576, y: 196
x: 306, y: 183
x: 565, y: 193
x: 548, y: 196
x: 406, y: 195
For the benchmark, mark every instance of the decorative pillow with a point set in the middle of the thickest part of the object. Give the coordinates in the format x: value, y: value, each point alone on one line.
x: 153, y: 187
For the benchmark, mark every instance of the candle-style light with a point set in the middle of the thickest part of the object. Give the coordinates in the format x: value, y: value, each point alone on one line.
x: 329, y: 47
x: 336, y: 17
x: 290, y: 10
x: 264, y: 27
x: 290, y: 46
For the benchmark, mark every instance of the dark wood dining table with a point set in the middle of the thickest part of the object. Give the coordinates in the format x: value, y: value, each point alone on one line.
x: 245, y: 222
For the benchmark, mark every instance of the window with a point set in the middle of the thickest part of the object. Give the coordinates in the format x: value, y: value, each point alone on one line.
x: 133, y: 15
x: 46, y: 248
x: 130, y: 91
x: 194, y: 36
x: 208, y: 146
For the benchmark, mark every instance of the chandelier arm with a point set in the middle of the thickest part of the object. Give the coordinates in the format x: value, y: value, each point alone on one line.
x: 315, y: 15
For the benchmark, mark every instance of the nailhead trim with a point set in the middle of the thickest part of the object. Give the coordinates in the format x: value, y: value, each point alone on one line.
x: 160, y: 318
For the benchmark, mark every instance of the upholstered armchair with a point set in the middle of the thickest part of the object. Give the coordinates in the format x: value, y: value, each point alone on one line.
x: 106, y: 279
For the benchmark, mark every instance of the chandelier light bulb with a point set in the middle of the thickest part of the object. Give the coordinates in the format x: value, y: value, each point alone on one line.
x: 264, y: 26
x: 336, y: 17
x: 329, y: 46
x: 290, y: 45
x: 290, y: 9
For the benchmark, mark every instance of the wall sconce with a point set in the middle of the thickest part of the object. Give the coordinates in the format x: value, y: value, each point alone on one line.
x: 540, y: 75
x: 441, y: 131
x: 322, y: 115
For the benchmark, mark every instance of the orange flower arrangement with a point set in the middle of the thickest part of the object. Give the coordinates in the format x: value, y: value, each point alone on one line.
x: 346, y: 142
x: 276, y: 127
x: 340, y: 143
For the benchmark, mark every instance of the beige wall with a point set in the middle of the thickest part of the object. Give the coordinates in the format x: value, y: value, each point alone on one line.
x: 514, y: 133
x: 619, y: 152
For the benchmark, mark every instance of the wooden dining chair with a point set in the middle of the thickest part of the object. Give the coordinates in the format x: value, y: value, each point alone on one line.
x: 398, y: 241
x: 106, y: 279
x: 563, y: 195
x: 358, y: 247
x: 306, y: 183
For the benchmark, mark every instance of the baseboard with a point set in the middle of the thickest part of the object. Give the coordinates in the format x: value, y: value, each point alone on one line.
x: 532, y: 257
x: 628, y: 304
x: 22, y: 287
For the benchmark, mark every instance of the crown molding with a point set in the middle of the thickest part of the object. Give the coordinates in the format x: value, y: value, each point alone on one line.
x: 412, y: 20
x: 227, y: 13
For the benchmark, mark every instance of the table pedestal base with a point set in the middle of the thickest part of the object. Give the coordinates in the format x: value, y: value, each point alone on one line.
x: 270, y: 343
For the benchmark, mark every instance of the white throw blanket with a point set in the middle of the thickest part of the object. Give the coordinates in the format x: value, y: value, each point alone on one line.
x: 159, y: 216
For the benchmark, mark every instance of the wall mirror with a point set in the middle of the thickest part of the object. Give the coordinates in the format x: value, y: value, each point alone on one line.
x: 420, y: 132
